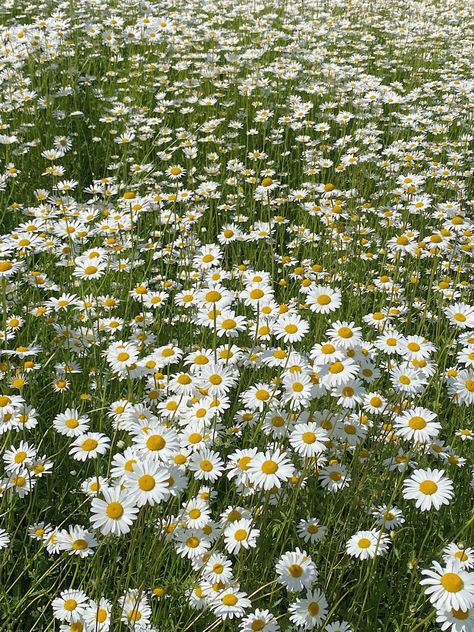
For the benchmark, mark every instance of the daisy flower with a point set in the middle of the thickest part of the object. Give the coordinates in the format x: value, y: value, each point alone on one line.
x: 4, y: 539
x: 71, y: 423
x: 417, y: 348
x: 136, y: 611
x: 323, y: 299
x: 338, y: 626
x: 259, y: 396
x: 70, y: 606
x: 296, y: 570
x: 308, y: 439
x: 464, y: 555
x: 339, y: 372
x: 334, y: 477
x: 240, y: 534
x: 270, y: 469
x: 206, y: 465
x: 344, y: 335
x: 196, y: 513
x: 230, y: 604
x: 407, y: 379
x: 456, y: 620
x: 367, y: 544
x: 449, y: 586
x: 311, y: 530
x: 429, y: 488
x: 261, y: 620
x: 158, y: 442
x: 291, y: 328
x: 461, y: 315
x: 147, y: 483
x: 192, y: 544
x: 388, y: 517
x: 417, y: 424
x: 77, y: 540
x: 115, y: 514
x: 17, y: 459
x: 463, y: 387
x: 218, y: 568
x: 97, y: 615
x: 309, y: 612
x: 89, y: 446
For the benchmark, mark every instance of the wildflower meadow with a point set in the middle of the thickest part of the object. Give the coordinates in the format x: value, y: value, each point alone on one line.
x: 237, y: 315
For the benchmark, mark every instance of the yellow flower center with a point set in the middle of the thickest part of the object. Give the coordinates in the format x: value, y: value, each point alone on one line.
x: 313, y: 609
x: 336, y: 367
x: 460, y: 614
x: 452, y: 582
x: 240, y: 534
x: 345, y: 332
x: 146, y: 482
x: 114, y: 510
x: 155, y: 443
x: 417, y: 423
x: 89, y: 444
x: 269, y: 467
x: 20, y: 456
x: 428, y: 487
x: 79, y: 545
x: 295, y: 570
